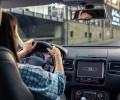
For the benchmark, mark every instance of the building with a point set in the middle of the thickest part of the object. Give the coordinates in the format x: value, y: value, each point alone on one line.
x: 99, y: 31
x: 43, y: 23
x: 52, y: 23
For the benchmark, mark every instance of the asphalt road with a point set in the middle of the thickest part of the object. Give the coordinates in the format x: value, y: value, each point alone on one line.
x: 117, y: 43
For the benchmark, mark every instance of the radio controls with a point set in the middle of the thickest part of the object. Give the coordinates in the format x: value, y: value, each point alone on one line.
x: 83, y: 94
x: 78, y: 93
x: 100, y: 95
x: 83, y: 98
x: 88, y: 80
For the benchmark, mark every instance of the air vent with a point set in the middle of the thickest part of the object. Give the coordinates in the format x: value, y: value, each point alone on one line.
x: 68, y: 64
x: 114, y: 67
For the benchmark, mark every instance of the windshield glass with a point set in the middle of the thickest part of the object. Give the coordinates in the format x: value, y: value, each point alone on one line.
x: 52, y: 23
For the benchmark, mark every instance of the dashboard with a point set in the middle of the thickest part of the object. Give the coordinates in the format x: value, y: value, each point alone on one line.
x: 92, y: 73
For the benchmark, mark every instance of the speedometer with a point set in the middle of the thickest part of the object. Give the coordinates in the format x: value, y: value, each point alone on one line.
x: 47, y: 57
x: 38, y: 54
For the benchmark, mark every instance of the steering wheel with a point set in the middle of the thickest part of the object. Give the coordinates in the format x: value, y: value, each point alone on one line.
x: 37, y: 61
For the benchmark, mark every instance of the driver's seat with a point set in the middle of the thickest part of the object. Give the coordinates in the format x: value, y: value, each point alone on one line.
x: 11, y: 84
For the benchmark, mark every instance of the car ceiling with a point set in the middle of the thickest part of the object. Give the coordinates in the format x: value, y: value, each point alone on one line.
x: 23, y: 3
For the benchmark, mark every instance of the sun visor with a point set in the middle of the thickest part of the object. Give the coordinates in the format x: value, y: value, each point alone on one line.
x: 83, y: 2
x: 24, y: 3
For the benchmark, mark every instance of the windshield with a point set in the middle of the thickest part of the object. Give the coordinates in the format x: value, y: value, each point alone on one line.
x: 52, y: 23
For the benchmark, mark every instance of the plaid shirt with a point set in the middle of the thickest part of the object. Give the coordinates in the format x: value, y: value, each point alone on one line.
x: 44, y: 85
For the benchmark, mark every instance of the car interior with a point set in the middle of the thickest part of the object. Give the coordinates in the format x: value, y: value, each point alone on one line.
x: 92, y: 72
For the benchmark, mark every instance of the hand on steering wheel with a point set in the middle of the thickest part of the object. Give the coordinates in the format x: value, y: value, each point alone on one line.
x: 54, y: 52
x: 28, y: 47
x: 37, y: 61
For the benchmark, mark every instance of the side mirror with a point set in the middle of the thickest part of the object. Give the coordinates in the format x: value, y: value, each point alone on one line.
x: 88, y: 14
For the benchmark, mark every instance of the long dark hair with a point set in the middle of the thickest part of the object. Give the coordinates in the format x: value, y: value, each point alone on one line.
x: 7, y: 31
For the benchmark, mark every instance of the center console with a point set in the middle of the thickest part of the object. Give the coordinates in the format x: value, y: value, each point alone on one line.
x: 90, y: 71
x: 84, y: 94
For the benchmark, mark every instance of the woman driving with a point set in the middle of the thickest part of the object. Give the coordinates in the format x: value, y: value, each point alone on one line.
x: 44, y: 85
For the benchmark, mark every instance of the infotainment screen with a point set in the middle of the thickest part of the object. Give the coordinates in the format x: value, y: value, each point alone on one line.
x: 90, y: 69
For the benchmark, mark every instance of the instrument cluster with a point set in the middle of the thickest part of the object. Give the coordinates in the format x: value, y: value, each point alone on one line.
x: 44, y: 55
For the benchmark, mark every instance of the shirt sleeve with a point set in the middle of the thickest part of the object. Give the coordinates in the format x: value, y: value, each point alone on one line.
x: 44, y: 85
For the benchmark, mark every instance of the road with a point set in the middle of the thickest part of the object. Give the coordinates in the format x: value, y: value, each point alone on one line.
x: 117, y: 43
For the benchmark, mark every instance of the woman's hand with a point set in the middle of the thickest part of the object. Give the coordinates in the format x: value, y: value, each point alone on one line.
x: 27, y: 48
x: 54, y: 52
x: 58, y: 59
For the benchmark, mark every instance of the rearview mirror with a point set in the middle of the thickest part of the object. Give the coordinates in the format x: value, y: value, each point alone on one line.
x: 88, y: 14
